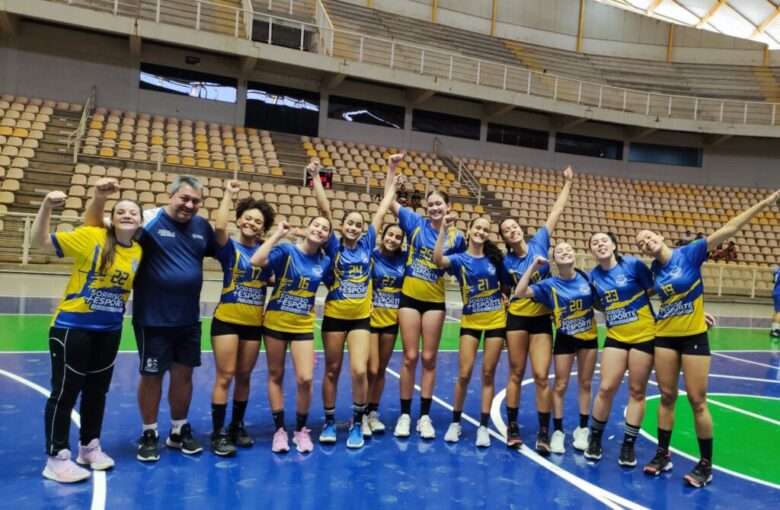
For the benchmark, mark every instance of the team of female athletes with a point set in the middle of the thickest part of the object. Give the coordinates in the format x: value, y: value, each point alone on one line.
x: 374, y: 293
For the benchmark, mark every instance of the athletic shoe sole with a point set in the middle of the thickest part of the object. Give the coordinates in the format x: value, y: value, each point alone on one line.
x: 514, y: 444
x: 627, y: 463
x: 356, y: 446
x: 148, y: 458
x: 591, y: 456
x: 696, y: 483
x: 224, y: 454
x: 327, y: 440
x: 51, y: 476
x: 180, y: 447
x: 664, y: 469
x: 299, y: 449
x: 95, y: 467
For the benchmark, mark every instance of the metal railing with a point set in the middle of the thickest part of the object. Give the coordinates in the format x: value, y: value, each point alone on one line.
x: 443, y: 64
x: 77, y: 135
x: 465, y: 176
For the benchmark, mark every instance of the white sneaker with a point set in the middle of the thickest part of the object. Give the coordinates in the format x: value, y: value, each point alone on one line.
x: 365, y: 428
x: 403, y: 425
x: 453, y: 433
x: 94, y: 457
x: 483, y: 437
x: 581, y: 437
x: 375, y: 423
x: 425, y: 427
x: 61, y: 469
x: 556, y: 442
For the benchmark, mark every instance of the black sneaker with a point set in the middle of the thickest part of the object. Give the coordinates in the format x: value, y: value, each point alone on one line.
x: 661, y: 463
x: 700, y: 475
x: 239, y: 436
x: 774, y: 333
x: 594, y: 451
x: 184, y: 441
x: 221, y: 445
x: 627, y: 456
x: 543, y: 443
x: 513, y: 439
x: 148, y: 450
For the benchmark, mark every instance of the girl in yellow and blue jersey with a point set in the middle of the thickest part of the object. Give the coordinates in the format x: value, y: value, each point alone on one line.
x: 681, y: 336
x: 529, y: 325
x: 774, y: 332
x: 347, y: 312
x: 571, y: 298
x: 387, y: 276
x: 623, y: 285
x: 421, y: 308
x: 289, y: 317
x: 236, y: 328
x: 478, y: 273
x: 86, y: 329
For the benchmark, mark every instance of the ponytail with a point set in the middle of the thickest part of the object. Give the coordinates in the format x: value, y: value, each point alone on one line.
x: 494, y: 255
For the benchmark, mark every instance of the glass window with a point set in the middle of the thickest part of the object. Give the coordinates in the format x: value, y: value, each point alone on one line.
x: 664, y: 154
x: 365, y: 112
x: 588, y: 146
x: 282, y: 109
x: 521, y: 137
x: 445, y: 124
x: 186, y: 82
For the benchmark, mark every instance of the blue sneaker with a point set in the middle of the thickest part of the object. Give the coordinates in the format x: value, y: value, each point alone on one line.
x: 328, y: 434
x: 355, y: 439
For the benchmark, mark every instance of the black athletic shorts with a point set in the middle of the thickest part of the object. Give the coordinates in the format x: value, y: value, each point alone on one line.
x: 647, y: 346
x: 345, y: 325
x: 159, y: 347
x: 567, y: 344
x: 219, y: 328
x: 534, y: 325
x: 287, y: 337
x: 387, y: 330
x: 420, y: 306
x: 499, y: 333
x: 695, y: 345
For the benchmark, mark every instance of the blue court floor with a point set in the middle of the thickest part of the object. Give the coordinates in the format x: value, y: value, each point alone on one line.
x: 387, y: 473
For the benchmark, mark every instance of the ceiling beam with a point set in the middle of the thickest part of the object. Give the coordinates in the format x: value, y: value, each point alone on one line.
x: 135, y: 45
x: 247, y: 64
x: 713, y: 140
x: 765, y: 24
x: 634, y: 134
x: 712, y: 12
x: 653, y: 6
x: 332, y: 80
x: 564, y: 122
x: 9, y: 24
x: 418, y: 96
x: 493, y: 110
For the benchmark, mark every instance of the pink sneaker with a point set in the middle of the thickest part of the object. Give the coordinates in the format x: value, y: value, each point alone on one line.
x: 62, y: 469
x: 93, y: 456
x: 279, y: 443
x: 302, y: 440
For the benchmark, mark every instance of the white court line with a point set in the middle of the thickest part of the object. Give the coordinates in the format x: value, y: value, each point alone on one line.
x: 743, y: 411
x: 744, y: 360
x: 736, y: 474
x: 605, y: 497
x: 99, y: 485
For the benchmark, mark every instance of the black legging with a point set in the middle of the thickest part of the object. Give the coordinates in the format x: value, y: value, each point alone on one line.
x: 82, y: 362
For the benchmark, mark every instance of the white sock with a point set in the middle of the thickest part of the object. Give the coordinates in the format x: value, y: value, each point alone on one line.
x: 150, y: 426
x: 176, y: 425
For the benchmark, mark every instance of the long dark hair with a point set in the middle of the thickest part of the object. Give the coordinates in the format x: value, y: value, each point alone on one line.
x: 614, y: 239
x: 109, y: 248
x: 492, y: 251
x: 501, y: 222
x: 400, y: 248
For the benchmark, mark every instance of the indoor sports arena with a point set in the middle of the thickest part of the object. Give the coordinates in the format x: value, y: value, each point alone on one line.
x: 426, y: 253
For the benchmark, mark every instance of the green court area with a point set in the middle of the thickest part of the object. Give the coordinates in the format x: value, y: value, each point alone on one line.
x: 753, y: 451
x: 30, y: 333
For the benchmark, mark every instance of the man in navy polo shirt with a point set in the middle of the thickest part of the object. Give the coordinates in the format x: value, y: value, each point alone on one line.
x: 166, y: 307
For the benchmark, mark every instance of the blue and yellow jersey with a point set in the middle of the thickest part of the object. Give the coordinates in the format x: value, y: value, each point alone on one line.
x: 94, y: 300
x: 349, y: 278
x: 622, y: 291
x: 571, y: 302
x: 424, y: 280
x: 776, y: 290
x: 243, y: 286
x: 291, y: 307
x: 387, y: 277
x: 515, y: 267
x: 680, y: 288
x: 480, y: 289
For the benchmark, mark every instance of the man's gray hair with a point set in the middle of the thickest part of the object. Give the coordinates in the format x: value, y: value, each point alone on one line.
x: 185, y: 180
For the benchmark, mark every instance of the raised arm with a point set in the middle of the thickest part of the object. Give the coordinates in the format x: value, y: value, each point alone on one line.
x: 260, y: 256
x: 732, y: 227
x: 439, y: 258
x: 392, y: 164
x: 386, y: 202
x: 323, y: 204
x: 560, y: 203
x: 223, y: 213
x: 523, y: 289
x: 41, y: 227
x: 95, y: 211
